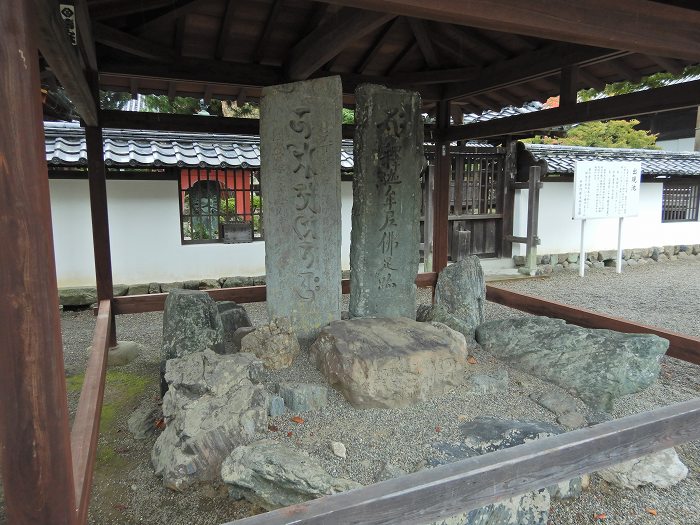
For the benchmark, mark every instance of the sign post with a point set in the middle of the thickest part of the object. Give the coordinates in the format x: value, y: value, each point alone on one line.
x: 605, y: 189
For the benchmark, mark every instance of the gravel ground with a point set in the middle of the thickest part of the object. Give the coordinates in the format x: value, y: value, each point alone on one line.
x: 126, y: 491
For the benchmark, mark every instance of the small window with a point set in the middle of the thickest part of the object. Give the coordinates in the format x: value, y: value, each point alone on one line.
x: 680, y: 201
x: 220, y: 205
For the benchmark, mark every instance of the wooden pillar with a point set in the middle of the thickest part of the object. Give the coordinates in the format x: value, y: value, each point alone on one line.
x: 34, y: 437
x: 100, y: 222
x: 443, y: 170
x: 509, y: 173
x: 697, y: 131
x: 569, y: 86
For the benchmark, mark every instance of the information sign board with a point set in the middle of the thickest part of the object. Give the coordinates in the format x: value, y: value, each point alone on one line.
x: 606, y: 189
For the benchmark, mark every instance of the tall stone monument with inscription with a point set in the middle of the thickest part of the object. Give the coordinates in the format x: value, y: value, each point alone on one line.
x: 386, y: 202
x: 300, y: 132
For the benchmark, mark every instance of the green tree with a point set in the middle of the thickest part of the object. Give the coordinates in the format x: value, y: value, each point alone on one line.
x: 348, y: 116
x: 608, y: 134
x: 114, y: 99
x: 649, y: 82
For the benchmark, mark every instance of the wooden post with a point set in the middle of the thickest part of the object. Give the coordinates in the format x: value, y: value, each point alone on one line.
x: 34, y: 437
x: 100, y: 221
x: 443, y: 168
x: 429, y: 218
x: 697, y: 132
x: 509, y: 172
x: 569, y: 86
x: 533, y: 205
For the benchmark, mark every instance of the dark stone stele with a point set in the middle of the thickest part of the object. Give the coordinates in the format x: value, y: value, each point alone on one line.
x: 233, y: 316
x: 598, y: 366
x: 385, y: 236
x: 300, y: 133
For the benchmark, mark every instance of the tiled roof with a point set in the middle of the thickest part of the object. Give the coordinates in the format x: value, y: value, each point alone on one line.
x: 65, y: 146
x: 508, y: 111
x: 561, y: 159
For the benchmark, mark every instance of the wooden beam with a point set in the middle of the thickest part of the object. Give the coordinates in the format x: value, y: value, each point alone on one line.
x: 531, y: 66
x: 120, y: 8
x: 672, y: 66
x: 666, y: 98
x: 85, y: 38
x: 131, y: 44
x: 682, y: 346
x: 100, y: 221
x: 63, y: 59
x: 174, y: 122
x: 625, y: 70
x: 436, y: 494
x: 458, y: 57
x: 465, y: 41
x: 86, y: 426
x: 168, y: 17
x: 569, y: 86
x: 197, y: 70
x: 590, y: 81
x: 376, y: 46
x: 329, y: 39
x: 270, y: 25
x: 424, y: 42
x: 132, y: 304
x: 34, y: 439
x: 225, y: 29
x: 441, y: 189
x: 401, y: 57
x: 641, y: 26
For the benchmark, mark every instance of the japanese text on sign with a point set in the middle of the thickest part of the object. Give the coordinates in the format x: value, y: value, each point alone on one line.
x: 606, y: 189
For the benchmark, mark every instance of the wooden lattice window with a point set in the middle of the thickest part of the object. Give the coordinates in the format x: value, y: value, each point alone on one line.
x: 680, y: 201
x: 220, y: 205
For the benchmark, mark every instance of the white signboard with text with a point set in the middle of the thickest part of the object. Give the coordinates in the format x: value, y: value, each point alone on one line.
x: 606, y: 189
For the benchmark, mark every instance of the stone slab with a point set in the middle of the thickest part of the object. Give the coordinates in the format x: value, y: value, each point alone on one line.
x: 300, y: 133
x: 388, y: 152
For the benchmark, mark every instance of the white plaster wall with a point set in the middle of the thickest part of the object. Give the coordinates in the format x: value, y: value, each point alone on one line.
x: 145, y: 236
x: 685, y: 144
x: 559, y: 233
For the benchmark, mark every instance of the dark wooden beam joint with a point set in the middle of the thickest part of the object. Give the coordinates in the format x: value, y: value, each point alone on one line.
x: 569, y: 86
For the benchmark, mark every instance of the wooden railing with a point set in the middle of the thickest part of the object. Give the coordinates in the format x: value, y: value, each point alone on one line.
x: 86, y: 426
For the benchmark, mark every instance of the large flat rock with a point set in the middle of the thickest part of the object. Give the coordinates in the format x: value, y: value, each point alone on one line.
x: 599, y: 366
x: 390, y: 362
x: 191, y: 323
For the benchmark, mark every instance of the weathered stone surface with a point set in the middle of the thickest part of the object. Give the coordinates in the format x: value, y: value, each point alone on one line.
x: 77, y: 296
x: 300, y: 132
x: 387, y: 363
x: 389, y: 471
x: 237, y: 281
x: 119, y: 290
x: 201, y: 284
x: 385, y: 234
x: 302, y: 397
x: 139, y: 289
x: 275, y: 344
x: 492, y: 383
x: 529, y: 509
x: 564, y: 406
x: 662, y: 469
x: 124, y: 353
x: 238, y: 336
x: 142, y: 421
x: 275, y: 406
x: 211, y: 407
x: 153, y: 287
x: 191, y: 323
x: 597, y: 365
x: 169, y: 287
x: 272, y: 475
x: 233, y: 316
x: 459, y: 297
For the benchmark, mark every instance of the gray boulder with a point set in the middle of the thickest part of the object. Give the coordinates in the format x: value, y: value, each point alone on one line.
x: 389, y: 363
x: 124, y: 353
x: 495, y: 382
x: 139, y: 289
x: 459, y: 297
x: 597, y: 365
x: 77, y: 296
x: 191, y: 323
x: 213, y: 405
x: 238, y: 336
x: 233, y: 316
x: 142, y: 421
x: 275, y: 344
x: 302, y: 397
x: 272, y: 475
x: 662, y: 469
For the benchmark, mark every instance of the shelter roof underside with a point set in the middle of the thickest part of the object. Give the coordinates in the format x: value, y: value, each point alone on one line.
x: 230, y: 49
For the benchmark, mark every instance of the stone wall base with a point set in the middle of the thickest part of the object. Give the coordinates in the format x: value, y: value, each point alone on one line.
x: 547, y: 264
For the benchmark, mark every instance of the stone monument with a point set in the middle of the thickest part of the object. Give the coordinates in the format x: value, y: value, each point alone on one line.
x: 300, y: 132
x: 386, y: 202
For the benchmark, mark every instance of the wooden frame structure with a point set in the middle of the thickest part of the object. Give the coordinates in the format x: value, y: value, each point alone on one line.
x: 460, y: 54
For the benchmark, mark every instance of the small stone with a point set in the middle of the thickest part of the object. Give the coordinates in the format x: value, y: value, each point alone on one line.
x: 302, y: 397
x: 339, y: 450
x: 486, y: 384
x: 169, y: 287
x: 389, y: 471
x: 154, y: 288
x: 275, y: 344
x: 124, y: 353
x: 572, y: 420
x: 138, y: 289
x: 142, y: 421
x: 238, y: 336
x: 572, y: 258
x: 662, y: 469
x: 276, y: 406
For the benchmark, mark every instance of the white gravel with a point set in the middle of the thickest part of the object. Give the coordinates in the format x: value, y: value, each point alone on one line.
x: 667, y: 295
